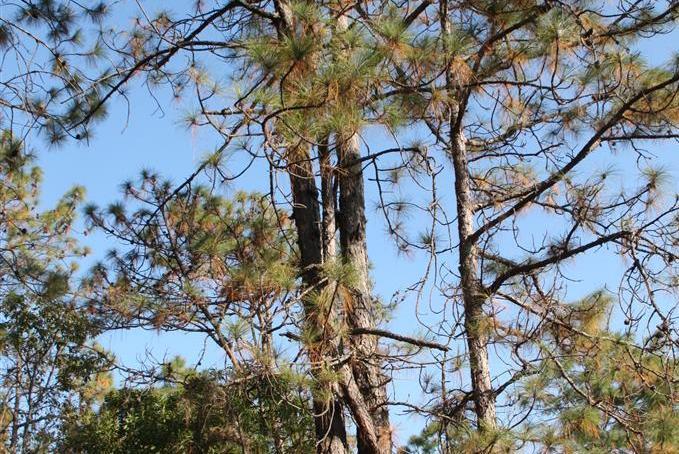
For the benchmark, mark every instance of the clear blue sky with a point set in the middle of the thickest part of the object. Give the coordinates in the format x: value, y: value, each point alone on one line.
x: 122, y: 146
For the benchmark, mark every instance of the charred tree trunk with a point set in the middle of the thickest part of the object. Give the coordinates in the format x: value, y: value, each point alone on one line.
x: 360, y: 310
x: 475, y: 322
x: 330, y: 429
x: 328, y: 416
x: 373, y: 432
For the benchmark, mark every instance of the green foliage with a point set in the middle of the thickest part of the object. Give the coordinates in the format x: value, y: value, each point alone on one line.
x: 518, y: 92
x: 200, y: 414
x: 602, y: 391
x: 427, y: 442
x: 459, y: 437
x: 210, y: 263
x: 52, y: 91
x: 594, y: 392
x: 48, y: 365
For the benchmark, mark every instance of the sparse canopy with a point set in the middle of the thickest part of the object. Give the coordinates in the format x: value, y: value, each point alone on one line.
x: 509, y: 147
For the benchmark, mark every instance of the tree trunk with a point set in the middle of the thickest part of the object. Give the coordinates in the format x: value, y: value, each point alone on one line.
x: 328, y: 200
x: 328, y: 416
x: 475, y: 321
x: 360, y: 310
x: 329, y: 422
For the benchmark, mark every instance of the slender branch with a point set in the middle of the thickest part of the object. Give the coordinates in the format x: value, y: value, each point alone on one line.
x: 587, y: 148
x: 564, y: 254
x: 399, y: 337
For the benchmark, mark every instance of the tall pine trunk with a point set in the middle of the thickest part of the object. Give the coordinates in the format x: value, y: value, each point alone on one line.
x: 472, y: 295
x: 330, y: 428
x: 475, y: 320
x: 328, y: 416
x: 373, y: 434
x: 360, y: 309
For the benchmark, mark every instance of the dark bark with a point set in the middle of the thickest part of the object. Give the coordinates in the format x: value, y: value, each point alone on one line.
x: 329, y: 418
x: 329, y: 421
x: 361, y: 309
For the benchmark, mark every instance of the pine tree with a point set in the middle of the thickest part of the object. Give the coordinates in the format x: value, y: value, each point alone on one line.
x: 51, y: 75
x: 200, y: 263
x: 512, y: 103
x: 49, y: 365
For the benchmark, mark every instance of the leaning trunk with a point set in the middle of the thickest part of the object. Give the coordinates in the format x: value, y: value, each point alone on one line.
x: 359, y: 306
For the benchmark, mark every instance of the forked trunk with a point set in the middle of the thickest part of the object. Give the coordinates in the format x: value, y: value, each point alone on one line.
x: 329, y: 422
x: 361, y: 311
x: 328, y: 416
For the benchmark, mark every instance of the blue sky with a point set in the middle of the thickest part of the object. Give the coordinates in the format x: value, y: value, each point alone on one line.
x: 118, y: 152
x: 123, y: 145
